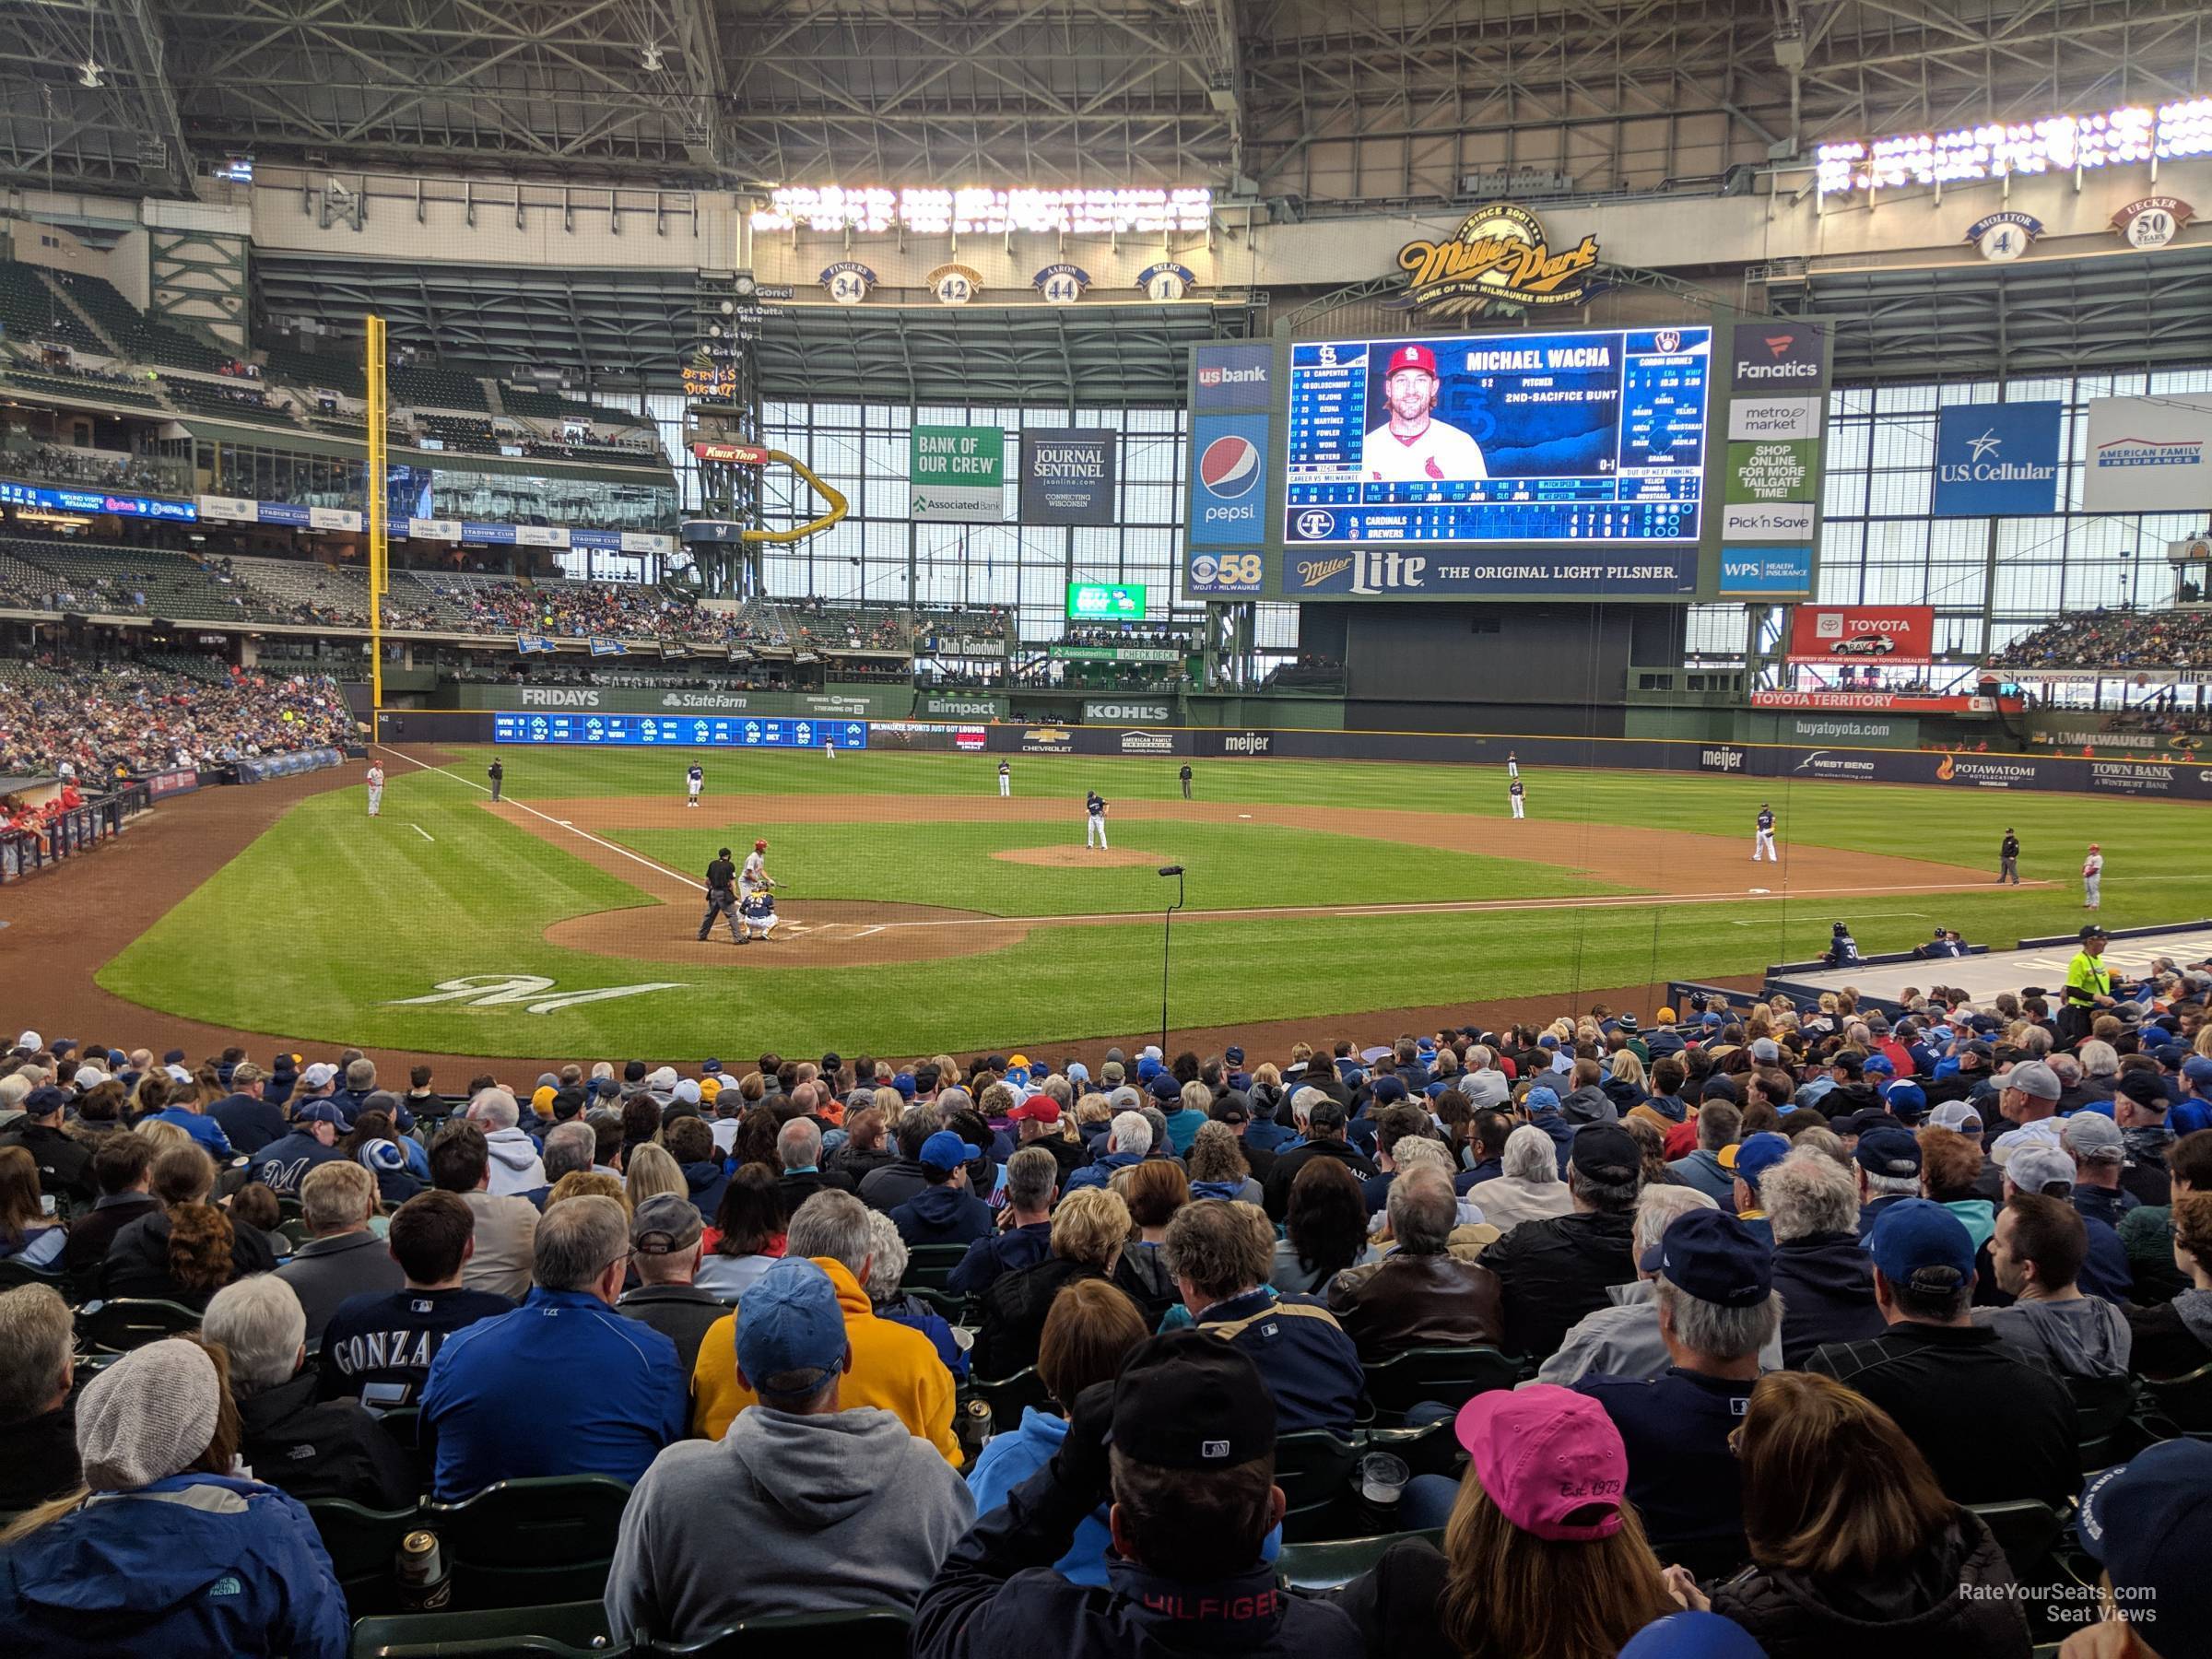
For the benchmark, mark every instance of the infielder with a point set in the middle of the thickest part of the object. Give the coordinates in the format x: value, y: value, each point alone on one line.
x: 1517, y: 793
x: 755, y: 879
x: 1006, y: 781
x: 756, y: 911
x: 1762, y: 839
x: 721, y: 900
x: 2092, y: 878
x: 694, y: 779
x: 376, y: 788
x: 1094, y: 818
x: 2009, y: 860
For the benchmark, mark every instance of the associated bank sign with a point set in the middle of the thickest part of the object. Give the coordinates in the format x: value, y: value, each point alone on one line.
x: 1996, y: 460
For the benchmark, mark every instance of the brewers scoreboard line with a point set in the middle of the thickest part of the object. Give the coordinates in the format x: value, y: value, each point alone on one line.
x: 1664, y: 463
x: 621, y: 731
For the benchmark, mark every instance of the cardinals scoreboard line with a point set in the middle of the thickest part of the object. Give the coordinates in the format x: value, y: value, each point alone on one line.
x: 1663, y: 463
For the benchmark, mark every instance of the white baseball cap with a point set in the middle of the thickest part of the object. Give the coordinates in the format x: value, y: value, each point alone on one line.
x: 319, y: 1075
x: 29, y: 1040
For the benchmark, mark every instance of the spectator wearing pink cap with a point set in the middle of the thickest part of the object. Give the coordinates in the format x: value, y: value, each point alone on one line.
x: 1543, y: 1553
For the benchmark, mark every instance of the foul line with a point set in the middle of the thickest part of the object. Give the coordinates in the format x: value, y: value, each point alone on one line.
x: 421, y: 831
x: 557, y: 823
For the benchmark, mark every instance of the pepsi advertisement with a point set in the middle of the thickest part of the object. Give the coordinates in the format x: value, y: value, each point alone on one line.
x: 1228, y: 474
x: 1497, y: 439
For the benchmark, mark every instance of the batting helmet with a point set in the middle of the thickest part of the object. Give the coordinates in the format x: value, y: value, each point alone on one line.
x: 759, y: 846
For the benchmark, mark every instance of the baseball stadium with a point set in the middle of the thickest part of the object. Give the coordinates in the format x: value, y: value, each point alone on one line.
x: 741, y: 619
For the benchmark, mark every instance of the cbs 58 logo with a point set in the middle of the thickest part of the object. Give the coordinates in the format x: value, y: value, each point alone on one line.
x: 1226, y: 571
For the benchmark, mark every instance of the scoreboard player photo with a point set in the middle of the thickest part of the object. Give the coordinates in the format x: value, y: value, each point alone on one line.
x: 1412, y: 445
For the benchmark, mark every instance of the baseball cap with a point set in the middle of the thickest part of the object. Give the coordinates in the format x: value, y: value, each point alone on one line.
x: 174, y: 1057
x: 664, y: 1224
x: 712, y: 1068
x: 1078, y: 1072
x: 1878, y: 1063
x: 1908, y: 1100
x: 1720, y: 1086
x: 946, y: 1150
x: 2033, y: 1078
x: 1606, y: 1153
x: 2094, y: 930
x: 381, y: 1155
x: 1231, y: 1108
x: 29, y: 1040
x: 1765, y: 1050
x: 1388, y: 1091
x: 319, y: 1112
x: 1955, y: 1115
x: 1037, y: 1109
x: 1693, y: 1636
x: 1412, y: 357
x: 1540, y: 1099
x: 1233, y: 1054
x: 1189, y: 1401
x: 1715, y: 1257
x: 1756, y: 1154
x: 1916, y: 1242
x: 2148, y: 1524
x: 39, y: 1101
x: 2038, y: 1165
x: 2197, y: 1068
x: 1888, y: 1152
x: 1165, y: 1089
x: 1549, y: 1458
x: 686, y: 1091
x: 1124, y: 1099
x: 92, y: 1076
x: 2094, y: 1138
x: 789, y: 1328
x: 318, y: 1075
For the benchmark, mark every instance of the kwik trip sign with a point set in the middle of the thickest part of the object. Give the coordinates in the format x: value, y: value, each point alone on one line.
x: 1500, y: 259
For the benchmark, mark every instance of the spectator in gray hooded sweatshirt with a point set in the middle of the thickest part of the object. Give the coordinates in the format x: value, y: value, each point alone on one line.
x: 839, y: 1510
x: 2036, y: 1255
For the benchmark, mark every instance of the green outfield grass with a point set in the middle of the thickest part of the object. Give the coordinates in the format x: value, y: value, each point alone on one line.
x: 328, y: 919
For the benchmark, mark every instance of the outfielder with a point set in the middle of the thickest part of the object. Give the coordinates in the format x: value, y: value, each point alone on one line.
x: 756, y: 911
x: 1513, y: 764
x: 693, y: 781
x: 1094, y: 818
x: 1762, y: 839
x: 755, y: 879
x: 376, y: 788
x: 1006, y: 781
x: 1517, y: 793
x: 721, y: 900
x: 2092, y: 878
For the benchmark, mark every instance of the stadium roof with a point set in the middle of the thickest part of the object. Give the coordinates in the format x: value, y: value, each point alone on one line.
x: 1314, y: 105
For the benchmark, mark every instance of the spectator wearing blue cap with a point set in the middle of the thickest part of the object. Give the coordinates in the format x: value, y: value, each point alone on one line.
x: 840, y: 1510
x: 2019, y: 1439
x: 2192, y: 1109
x: 1824, y: 1276
x: 1887, y: 1162
x: 2148, y: 1524
x: 945, y: 1211
x: 1713, y: 1283
x: 283, y: 1164
x: 1755, y: 1155
x: 1855, y: 1547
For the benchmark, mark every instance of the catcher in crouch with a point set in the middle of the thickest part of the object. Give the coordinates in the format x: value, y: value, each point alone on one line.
x: 756, y: 911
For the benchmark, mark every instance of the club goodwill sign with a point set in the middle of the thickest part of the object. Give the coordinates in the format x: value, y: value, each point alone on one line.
x: 1067, y: 476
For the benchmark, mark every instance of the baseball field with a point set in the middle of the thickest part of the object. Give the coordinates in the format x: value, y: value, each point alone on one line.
x: 920, y: 910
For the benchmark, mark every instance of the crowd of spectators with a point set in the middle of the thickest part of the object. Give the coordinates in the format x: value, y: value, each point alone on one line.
x: 1790, y: 1291
x: 100, y: 722
x: 575, y: 610
x: 101, y: 469
x: 2115, y: 639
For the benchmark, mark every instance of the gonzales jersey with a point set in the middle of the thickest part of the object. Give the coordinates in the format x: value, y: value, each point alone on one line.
x: 1439, y: 454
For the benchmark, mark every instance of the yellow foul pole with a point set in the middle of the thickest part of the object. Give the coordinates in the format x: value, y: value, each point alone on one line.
x: 380, y: 547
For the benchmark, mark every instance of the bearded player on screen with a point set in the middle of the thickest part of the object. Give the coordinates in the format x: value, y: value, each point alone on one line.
x: 1413, y: 446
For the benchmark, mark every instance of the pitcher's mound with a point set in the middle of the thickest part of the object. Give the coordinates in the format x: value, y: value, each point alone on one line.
x: 1077, y: 858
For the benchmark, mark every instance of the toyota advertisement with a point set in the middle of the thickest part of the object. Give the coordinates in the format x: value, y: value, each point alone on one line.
x: 1863, y: 634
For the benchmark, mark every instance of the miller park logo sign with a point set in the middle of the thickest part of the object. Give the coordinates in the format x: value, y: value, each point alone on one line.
x: 1499, y: 260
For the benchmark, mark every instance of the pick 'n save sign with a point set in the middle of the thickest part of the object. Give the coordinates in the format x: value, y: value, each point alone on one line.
x: 957, y: 471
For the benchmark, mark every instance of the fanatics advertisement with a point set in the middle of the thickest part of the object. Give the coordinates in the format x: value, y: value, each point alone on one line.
x: 1499, y: 439
x: 1890, y: 633
x: 1067, y: 476
x: 2147, y: 454
x: 1775, y: 356
x: 1996, y: 459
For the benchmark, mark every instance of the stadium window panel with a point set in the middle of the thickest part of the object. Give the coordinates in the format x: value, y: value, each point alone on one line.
x: 1715, y: 631
x: 1904, y: 398
x: 1899, y: 492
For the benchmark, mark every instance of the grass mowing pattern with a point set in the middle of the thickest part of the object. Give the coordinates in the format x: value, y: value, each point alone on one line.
x: 327, y: 918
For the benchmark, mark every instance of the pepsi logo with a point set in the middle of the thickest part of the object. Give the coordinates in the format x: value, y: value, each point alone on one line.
x: 1230, y: 467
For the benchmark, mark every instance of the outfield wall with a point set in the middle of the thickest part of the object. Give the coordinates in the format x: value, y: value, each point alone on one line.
x: 1784, y: 763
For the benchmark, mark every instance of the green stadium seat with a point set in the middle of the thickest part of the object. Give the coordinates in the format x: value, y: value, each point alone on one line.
x: 956, y: 1308
x: 929, y: 1266
x: 1432, y: 1449
x: 1449, y: 1376
x: 363, y: 1544
x: 130, y: 1322
x: 2184, y: 1403
x: 558, y: 1628
x: 879, y: 1634
x: 2027, y: 1530
x: 520, y: 1542
x: 1328, y: 1566
x: 1009, y: 1396
x: 14, y: 1273
x: 1315, y: 1470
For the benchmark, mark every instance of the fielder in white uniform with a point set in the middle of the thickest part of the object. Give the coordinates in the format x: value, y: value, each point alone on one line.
x: 1413, y: 446
x: 1513, y: 764
x: 2092, y: 878
x: 376, y: 789
x: 693, y: 781
x: 1006, y: 781
x: 1762, y: 839
x: 829, y: 748
x: 754, y: 878
x: 1094, y: 819
x: 1517, y: 792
